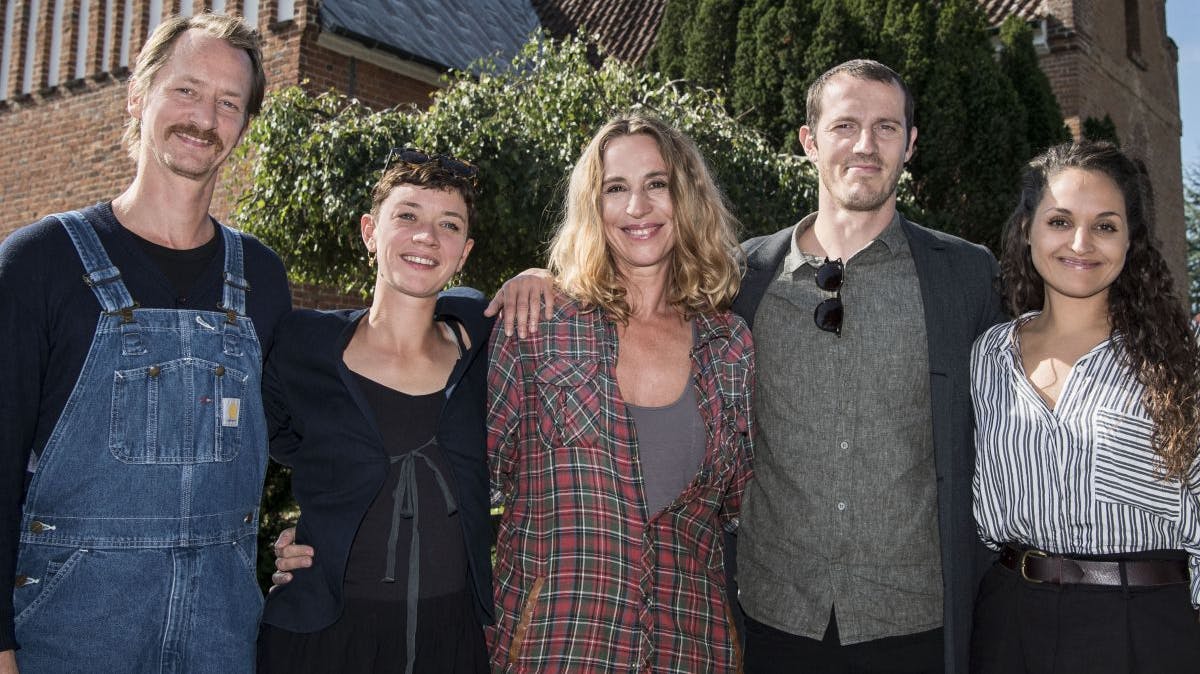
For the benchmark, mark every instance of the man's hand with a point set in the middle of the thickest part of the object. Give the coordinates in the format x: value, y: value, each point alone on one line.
x: 518, y: 299
x: 289, y: 556
x: 8, y: 662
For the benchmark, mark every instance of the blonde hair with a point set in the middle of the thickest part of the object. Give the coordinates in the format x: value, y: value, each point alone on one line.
x: 704, y: 274
x: 159, y: 47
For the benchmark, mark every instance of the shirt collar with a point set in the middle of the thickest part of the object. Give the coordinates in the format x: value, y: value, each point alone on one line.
x: 892, y: 237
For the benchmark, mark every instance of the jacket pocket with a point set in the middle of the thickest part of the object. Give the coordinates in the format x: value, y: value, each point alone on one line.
x: 521, y: 630
x: 184, y: 411
x: 1127, y: 471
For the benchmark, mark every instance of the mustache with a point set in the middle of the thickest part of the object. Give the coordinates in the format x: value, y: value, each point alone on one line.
x: 206, y: 135
x: 869, y: 159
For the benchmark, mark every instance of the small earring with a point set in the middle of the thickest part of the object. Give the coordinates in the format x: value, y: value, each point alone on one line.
x: 370, y: 257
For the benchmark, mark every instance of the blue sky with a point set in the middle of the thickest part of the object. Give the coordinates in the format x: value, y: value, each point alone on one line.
x: 1183, y: 25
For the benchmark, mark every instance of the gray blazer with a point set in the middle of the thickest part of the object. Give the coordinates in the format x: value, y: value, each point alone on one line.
x: 959, y: 292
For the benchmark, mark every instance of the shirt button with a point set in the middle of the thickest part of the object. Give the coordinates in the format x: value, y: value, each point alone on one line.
x: 248, y: 518
x: 845, y: 444
x: 21, y: 580
x: 841, y: 505
x: 37, y: 527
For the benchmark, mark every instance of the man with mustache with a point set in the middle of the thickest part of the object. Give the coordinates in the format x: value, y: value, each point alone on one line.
x: 133, y: 445
x: 857, y: 551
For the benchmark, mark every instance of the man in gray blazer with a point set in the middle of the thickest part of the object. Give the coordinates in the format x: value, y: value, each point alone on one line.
x: 857, y: 550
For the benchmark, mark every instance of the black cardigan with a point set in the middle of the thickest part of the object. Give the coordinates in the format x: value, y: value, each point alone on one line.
x: 321, y: 425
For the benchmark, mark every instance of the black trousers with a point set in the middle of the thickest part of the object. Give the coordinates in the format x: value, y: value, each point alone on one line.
x: 1030, y: 627
x: 771, y: 651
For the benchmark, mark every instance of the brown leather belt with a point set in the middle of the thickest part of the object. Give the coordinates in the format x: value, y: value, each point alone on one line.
x: 1036, y: 566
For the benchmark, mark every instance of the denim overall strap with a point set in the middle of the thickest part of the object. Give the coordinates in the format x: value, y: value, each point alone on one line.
x: 101, y: 276
x: 404, y: 504
x: 233, y: 295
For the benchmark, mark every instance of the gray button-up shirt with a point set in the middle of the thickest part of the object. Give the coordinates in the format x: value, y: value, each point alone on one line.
x: 843, y: 507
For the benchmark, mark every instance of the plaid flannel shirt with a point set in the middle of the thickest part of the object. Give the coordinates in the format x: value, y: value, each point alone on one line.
x: 586, y: 579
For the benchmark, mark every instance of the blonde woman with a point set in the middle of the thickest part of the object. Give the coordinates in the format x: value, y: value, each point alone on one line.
x: 618, y: 433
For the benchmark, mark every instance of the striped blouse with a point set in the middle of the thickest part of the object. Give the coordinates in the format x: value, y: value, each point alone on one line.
x: 1081, y: 478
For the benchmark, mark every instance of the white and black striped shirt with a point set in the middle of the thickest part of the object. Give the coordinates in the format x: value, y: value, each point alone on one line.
x: 1081, y: 478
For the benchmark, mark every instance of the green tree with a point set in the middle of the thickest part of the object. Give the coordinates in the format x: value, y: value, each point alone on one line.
x: 695, y: 42
x: 1100, y: 129
x: 769, y: 80
x: 1019, y: 61
x: 971, y: 146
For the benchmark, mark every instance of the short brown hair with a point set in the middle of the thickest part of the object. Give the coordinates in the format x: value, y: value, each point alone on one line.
x: 429, y: 174
x: 159, y: 47
x: 859, y: 69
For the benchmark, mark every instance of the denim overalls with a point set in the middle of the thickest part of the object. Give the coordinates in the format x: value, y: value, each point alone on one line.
x: 138, y: 535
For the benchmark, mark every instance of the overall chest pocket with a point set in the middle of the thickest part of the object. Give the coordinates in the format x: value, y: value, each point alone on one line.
x: 182, y: 411
x: 1127, y: 470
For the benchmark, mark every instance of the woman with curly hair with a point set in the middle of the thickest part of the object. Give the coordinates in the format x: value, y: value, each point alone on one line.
x: 1088, y: 422
x: 618, y: 433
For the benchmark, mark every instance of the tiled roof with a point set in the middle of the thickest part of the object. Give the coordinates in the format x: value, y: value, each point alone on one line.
x: 626, y: 28
x: 998, y: 10
x: 440, y: 33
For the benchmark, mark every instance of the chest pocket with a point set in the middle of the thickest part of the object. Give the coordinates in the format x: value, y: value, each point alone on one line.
x: 182, y: 411
x: 571, y: 396
x: 1127, y: 470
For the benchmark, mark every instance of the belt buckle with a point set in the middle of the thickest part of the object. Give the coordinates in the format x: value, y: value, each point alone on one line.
x: 1025, y: 560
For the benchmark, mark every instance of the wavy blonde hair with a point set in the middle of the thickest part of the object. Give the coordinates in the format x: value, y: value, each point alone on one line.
x: 704, y: 272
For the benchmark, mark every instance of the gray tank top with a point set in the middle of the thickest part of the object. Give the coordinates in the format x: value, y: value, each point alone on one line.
x: 670, y: 446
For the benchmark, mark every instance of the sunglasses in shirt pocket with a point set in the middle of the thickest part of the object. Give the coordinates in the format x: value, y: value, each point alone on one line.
x: 1127, y: 471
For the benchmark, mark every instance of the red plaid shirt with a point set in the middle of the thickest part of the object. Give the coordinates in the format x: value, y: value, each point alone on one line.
x: 586, y: 580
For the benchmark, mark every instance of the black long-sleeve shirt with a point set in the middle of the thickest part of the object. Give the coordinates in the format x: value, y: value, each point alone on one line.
x: 47, y: 320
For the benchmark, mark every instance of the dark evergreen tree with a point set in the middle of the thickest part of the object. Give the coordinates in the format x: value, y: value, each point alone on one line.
x: 710, y: 43
x: 1043, y: 118
x: 769, y: 80
x: 971, y: 145
x: 1100, y: 129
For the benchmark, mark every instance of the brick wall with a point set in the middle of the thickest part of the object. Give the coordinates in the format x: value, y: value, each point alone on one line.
x: 1093, y: 74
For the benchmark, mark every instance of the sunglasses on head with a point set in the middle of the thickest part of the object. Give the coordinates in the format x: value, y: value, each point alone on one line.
x: 416, y: 157
x: 828, y: 314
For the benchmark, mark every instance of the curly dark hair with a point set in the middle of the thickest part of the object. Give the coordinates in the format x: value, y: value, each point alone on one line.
x: 1157, y: 345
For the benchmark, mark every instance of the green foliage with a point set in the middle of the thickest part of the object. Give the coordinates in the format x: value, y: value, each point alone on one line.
x: 971, y: 147
x: 1044, y: 126
x: 314, y: 160
x: 1100, y: 129
x: 709, y: 44
x: 768, y: 78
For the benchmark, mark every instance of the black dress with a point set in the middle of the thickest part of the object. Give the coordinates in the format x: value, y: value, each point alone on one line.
x: 407, y: 602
